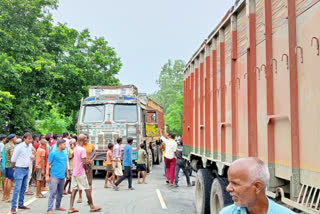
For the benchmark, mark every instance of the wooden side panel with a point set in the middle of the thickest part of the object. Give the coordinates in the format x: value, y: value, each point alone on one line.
x: 303, y: 5
x: 242, y: 33
x: 218, y: 92
x: 309, y: 92
x: 260, y: 26
x: 228, y: 112
x: 242, y: 104
x: 281, y: 88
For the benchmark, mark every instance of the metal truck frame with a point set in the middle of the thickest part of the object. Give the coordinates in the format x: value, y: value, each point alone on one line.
x: 252, y: 89
x: 120, y: 111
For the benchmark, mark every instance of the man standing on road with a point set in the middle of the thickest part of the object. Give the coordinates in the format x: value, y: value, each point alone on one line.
x: 248, y: 180
x: 55, y: 174
x: 181, y: 164
x: 79, y: 178
x: 170, y: 157
x: 40, y: 167
x: 91, y: 155
x: 117, y: 159
x: 21, y: 161
x: 127, y: 163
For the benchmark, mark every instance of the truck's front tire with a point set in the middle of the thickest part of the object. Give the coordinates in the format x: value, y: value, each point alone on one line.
x: 219, y: 196
x: 203, y: 188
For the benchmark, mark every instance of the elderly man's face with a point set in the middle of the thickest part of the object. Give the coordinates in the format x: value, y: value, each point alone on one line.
x: 240, y: 187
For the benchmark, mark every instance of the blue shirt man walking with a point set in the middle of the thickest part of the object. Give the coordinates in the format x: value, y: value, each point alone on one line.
x: 127, y: 163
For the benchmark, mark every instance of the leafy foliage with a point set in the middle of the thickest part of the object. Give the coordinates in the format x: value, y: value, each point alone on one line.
x: 41, y: 63
x: 170, y: 94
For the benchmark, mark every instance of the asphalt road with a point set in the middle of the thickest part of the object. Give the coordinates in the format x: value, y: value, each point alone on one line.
x: 145, y: 199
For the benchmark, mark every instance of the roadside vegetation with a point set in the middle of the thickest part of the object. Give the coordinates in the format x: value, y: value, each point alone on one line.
x: 170, y: 94
x: 45, y: 68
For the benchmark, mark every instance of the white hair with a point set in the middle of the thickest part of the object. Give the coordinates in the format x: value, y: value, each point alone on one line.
x: 259, y: 171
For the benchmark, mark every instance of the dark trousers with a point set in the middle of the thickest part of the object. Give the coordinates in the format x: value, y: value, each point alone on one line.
x: 127, y: 174
x: 181, y: 164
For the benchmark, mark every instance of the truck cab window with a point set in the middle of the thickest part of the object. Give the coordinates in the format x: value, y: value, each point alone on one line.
x: 125, y: 113
x: 93, y: 114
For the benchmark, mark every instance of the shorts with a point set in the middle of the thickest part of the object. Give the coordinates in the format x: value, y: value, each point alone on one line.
x: 70, y: 173
x: 117, y: 170
x: 39, y: 176
x: 110, y: 168
x: 8, y: 173
x: 79, y: 182
x: 89, y: 176
x: 141, y: 167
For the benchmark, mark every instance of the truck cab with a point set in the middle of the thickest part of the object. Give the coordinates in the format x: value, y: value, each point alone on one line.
x: 111, y: 112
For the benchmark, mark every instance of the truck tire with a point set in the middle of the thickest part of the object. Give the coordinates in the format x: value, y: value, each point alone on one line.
x: 202, y: 193
x: 219, y: 195
x: 157, y: 159
x: 149, y: 161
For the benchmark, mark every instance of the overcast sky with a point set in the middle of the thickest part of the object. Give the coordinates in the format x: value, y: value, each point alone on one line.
x: 145, y: 33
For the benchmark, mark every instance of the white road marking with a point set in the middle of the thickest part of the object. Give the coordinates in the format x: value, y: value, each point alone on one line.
x: 163, y: 204
x: 31, y: 200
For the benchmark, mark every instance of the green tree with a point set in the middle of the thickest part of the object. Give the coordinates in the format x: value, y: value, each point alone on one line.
x: 170, y: 94
x: 41, y: 63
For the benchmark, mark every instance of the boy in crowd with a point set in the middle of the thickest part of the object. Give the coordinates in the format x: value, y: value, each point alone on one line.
x: 141, y: 164
x: 110, y: 169
x: 56, y: 173
x: 79, y: 178
x: 127, y: 163
x: 71, y: 150
x: 40, y: 167
x: 117, y: 159
x: 8, y: 171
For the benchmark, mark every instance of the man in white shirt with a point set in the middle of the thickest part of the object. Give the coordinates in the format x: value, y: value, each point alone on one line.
x: 170, y: 156
x: 21, y: 161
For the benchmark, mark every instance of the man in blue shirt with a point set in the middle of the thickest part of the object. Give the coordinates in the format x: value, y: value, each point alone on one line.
x: 57, y: 169
x: 127, y: 163
x: 248, y: 180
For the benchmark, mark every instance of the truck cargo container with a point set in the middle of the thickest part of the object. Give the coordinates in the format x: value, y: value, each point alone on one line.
x: 111, y: 112
x: 252, y: 89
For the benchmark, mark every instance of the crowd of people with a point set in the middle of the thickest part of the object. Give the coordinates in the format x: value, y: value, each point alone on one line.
x: 52, y: 160
x: 62, y: 164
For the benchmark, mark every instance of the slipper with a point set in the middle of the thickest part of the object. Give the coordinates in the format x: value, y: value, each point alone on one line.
x: 28, y: 193
x: 61, y: 209
x: 96, y: 209
x: 73, y: 211
x: 41, y: 196
x: 79, y: 201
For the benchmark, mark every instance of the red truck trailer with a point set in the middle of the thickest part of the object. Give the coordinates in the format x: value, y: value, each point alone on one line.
x: 252, y: 89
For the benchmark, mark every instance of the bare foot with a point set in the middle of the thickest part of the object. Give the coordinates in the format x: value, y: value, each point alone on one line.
x: 105, y: 186
x: 139, y: 182
x: 145, y: 182
x: 61, y: 209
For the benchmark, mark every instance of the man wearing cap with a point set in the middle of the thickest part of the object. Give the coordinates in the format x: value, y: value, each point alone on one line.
x: 21, y: 161
x: 8, y: 171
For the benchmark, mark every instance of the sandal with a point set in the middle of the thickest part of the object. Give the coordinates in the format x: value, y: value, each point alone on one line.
x: 95, y: 209
x: 73, y: 210
x: 79, y: 201
x: 28, y: 193
x: 41, y: 196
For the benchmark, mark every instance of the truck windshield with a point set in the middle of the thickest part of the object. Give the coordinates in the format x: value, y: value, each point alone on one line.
x: 93, y: 114
x: 125, y: 113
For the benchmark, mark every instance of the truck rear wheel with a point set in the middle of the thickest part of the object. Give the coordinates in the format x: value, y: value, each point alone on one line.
x: 203, y: 188
x: 219, y: 196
